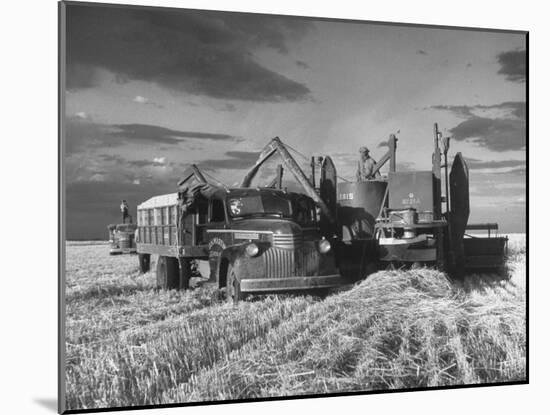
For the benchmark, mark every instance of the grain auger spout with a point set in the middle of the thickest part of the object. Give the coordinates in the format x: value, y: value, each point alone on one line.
x: 277, y: 146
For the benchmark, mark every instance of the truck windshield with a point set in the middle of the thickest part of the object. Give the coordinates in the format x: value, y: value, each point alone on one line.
x: 263, y: 205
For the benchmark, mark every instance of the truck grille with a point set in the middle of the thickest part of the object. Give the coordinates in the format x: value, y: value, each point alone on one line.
x: 283, y: 263
x: 287, y: 241
x: 279, y: 263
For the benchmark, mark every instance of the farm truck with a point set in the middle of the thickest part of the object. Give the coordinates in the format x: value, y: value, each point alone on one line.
x: 256, y: 240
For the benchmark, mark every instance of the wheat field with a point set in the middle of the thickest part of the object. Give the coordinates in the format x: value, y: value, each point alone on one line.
x: 130, y: 344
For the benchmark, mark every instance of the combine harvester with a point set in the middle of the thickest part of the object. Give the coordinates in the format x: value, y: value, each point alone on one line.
x: 403, y: 214
x: 122, y: 235
x: 265, y: 239
x: 122, y: 238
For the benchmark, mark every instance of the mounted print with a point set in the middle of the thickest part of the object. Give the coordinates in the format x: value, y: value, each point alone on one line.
x: 261, y: 206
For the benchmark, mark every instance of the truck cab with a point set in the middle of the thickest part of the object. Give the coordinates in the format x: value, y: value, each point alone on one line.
x: 256, y: 240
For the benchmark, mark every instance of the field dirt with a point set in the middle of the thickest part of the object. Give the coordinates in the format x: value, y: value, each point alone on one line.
x: 128, y: 343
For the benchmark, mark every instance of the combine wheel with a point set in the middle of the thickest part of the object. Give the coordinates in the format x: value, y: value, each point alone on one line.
x: 167, y: 273
x: 144, y: 262
x: 233, y: 287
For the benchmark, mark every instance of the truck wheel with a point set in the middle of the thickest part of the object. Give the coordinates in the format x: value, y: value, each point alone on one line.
x: 144, y: 262
x: 233, y: 287
x: 167, y: 273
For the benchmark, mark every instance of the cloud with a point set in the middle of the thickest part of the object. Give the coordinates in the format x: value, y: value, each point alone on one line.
x: 227, y: 107
x: 112, y: 157
x: 199, y: 52
x: 98, y: 177
x: 495, y: 134
x: 237, y: 160
x: 140, y: 163
x: 475, y: 164
x: 458, y: 110
x: 145, y: 101
x: 421, y: 52
x: 498, y: 127
x: 519, y: 170
x: 141, y: 100
x: 302, y: 64
x: 81, y: 76
x: 513, y: 65
x: 156, y: 162
x: 156, y: 134
x: 509, y: 108
x: 83, y: 134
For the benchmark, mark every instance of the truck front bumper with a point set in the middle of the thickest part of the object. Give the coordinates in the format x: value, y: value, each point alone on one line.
x: 292, y: 283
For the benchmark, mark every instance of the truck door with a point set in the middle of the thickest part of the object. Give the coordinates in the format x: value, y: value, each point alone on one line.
x: 217, y: 235
x: 201, y: 223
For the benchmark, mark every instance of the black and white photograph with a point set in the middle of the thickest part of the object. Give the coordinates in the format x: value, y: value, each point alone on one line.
x: 262, y: 206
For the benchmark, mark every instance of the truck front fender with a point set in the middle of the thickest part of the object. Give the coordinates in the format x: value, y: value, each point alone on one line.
x: 228, y: 256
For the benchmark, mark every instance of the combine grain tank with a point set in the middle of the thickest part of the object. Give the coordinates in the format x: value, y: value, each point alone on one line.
x: 360, y: 204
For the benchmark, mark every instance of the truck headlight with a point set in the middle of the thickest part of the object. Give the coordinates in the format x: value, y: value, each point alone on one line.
x: 252, y: 249
x: 324, y: 246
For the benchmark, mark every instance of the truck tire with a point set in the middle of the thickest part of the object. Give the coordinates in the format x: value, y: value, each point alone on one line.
x: 233, y: 287
x: 167, y: 273
x: 144, y: 262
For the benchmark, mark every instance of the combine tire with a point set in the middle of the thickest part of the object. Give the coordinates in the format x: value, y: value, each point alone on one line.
x: 233, y: 287
x: 144, y: 262
x: 167, y: 273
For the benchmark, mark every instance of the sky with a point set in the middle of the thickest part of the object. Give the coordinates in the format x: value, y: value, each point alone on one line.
x: 151, y: 91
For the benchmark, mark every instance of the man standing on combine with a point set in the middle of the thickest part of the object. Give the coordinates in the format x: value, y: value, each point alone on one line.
x: 365, y: 166
x: 124, y: 211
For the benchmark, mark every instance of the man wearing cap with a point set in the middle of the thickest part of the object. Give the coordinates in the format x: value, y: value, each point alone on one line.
x: 124, y: 211
x: 365, y: 166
